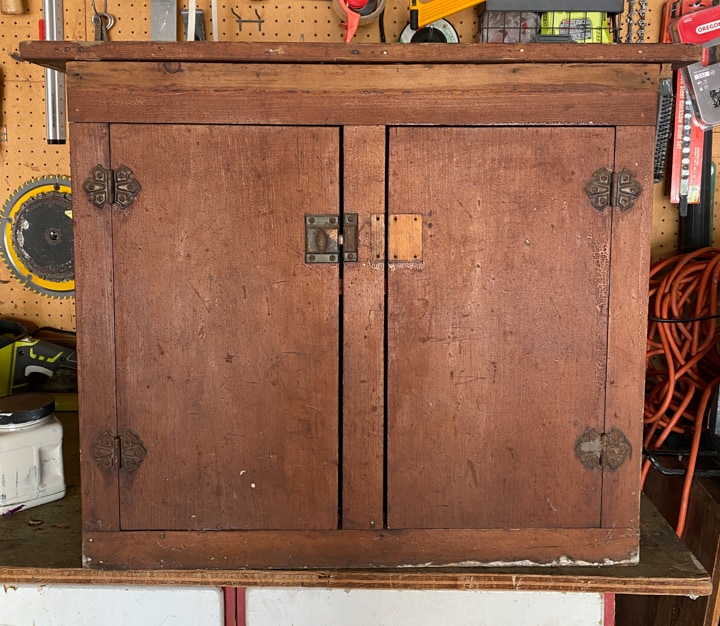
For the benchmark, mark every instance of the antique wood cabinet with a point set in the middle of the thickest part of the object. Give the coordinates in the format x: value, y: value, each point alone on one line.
x: 360, y: 306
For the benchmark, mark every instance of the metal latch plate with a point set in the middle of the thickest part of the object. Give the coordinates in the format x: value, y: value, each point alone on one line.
x: 324, y: 242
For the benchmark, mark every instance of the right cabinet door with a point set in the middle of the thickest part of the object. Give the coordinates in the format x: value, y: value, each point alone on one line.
x: 498, y: 335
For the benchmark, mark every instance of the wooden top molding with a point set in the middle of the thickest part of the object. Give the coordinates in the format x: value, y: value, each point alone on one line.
x: 56, y: 54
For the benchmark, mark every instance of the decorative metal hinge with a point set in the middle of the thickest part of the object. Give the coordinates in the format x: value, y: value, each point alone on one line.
x: 125, y: 451
x: 603, y: 451
x: 111, y: 186
x: 324, y: 241
x: 609, y: 189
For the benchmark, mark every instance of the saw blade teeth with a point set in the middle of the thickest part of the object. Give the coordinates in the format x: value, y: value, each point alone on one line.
x: 57, y: 282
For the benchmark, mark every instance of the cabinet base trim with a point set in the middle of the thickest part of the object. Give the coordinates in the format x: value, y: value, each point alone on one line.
x: 359, y: 548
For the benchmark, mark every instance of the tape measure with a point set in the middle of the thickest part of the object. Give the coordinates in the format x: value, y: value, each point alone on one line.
x: 439, y: 31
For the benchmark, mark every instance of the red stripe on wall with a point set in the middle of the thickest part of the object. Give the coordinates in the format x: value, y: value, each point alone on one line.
x: 230, y: 605
x: 609, y: 610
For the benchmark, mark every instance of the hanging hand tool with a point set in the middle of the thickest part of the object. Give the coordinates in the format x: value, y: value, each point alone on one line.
x: 424, y: 12
x: 663, y: 128
x: 214, y: 17
x: 12, y: 7
x: 163, y: 20
x: 102, y: 21
x: 259, y: 21
x: 190, y: 34
x: 52, y: 30
x: 688, y: 145
x: 640, y: 8
x: 199, y: 25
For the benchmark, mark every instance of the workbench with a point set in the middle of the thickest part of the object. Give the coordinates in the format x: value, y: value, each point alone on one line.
x: 356, y: 456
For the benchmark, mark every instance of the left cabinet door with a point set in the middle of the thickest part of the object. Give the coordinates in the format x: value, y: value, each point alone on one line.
x: 226, y: 341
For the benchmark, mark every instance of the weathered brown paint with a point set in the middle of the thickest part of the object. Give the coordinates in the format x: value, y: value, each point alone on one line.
x: 510, y: 337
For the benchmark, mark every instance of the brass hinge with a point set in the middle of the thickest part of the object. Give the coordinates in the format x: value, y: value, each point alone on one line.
x: 603, y: 450
x: 324, y: 241
x: 610, y: 189
x: 125, y: 451
x: 111, y: 186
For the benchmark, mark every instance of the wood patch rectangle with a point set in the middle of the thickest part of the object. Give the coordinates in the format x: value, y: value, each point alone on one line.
x: 405, y: 237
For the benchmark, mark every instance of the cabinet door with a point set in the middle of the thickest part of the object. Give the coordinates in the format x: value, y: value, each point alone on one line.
x: 497, y: 339
x: 227, y: 342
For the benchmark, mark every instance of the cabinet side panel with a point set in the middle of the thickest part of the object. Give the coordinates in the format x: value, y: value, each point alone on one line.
x: 95, y: 328
x: 364, y: 319
x: 627, y: 332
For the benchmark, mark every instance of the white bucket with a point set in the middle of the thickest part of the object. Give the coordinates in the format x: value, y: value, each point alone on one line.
x: 31, y: 463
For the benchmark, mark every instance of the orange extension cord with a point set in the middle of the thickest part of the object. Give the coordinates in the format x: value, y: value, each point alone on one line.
x: 683, y: 361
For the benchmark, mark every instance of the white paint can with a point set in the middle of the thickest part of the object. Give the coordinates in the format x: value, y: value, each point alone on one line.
x: 31, y: 463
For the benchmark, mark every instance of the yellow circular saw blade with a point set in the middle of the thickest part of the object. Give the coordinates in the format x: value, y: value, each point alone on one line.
x: 37, y: 211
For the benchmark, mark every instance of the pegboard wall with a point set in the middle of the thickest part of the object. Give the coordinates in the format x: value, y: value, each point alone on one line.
x: 25, y: 153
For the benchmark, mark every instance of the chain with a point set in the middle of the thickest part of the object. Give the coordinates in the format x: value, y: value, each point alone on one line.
x: 630, y: 19
x: 641, y: 9
x: 642, y: 21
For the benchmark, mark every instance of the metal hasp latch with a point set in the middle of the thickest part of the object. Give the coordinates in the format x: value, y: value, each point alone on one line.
x: 324, y: 241
x: 609, y: 189
x: 111, y: 186
x: 125, y: 452
x: 603, y: 451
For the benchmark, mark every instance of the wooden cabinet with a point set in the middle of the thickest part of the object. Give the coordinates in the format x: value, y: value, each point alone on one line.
x: 460, y: 383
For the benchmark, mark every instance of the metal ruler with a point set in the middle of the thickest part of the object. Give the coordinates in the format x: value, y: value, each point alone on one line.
x: 55, y: 111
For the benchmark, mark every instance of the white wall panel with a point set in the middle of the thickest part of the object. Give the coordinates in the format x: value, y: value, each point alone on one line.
x: 78, y: 605
x: 369, y: 607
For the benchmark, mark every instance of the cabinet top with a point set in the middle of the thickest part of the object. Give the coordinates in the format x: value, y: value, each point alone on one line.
x: 56, y: 54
